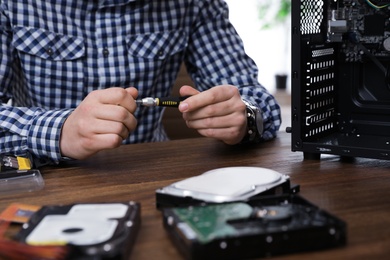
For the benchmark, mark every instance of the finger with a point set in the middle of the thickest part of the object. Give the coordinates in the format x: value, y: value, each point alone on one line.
x: 100, y: 142
x: 218, y: 122
x: 227, y: 135
x: 116, y: 96
x: 208, y: 97
x: 188, y: 91
x: 118, y: 114
x: 104, y: 127
x: 214, y: 110
x: 110, y: 112
x: 133, y: 92
x: 222, y: 108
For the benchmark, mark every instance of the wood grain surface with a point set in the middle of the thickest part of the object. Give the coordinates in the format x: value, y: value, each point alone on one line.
x: 357, y: 191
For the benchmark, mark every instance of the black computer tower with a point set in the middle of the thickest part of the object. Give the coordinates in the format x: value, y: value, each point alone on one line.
x: 341, y: 78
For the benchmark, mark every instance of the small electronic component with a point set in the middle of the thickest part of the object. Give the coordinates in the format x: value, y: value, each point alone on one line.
x: 8, y: 162
x: 17, y: 175
x: 357, y: 24
x: 258, y: 228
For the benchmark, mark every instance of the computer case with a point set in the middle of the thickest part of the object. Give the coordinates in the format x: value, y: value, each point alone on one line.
x: 340, y: 78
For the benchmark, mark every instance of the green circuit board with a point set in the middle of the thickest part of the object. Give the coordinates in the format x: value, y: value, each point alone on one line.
x: 208, y: 223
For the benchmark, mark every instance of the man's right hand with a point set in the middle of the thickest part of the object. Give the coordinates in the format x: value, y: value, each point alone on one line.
x: 101, y: 121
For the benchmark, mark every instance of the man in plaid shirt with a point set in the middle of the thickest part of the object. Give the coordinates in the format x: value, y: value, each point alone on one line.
x: 70, y: 72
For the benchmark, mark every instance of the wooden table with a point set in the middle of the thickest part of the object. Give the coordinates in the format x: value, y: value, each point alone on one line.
x: 357, y: 192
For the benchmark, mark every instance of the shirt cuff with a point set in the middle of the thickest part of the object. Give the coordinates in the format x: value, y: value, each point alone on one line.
x: 44, y: 135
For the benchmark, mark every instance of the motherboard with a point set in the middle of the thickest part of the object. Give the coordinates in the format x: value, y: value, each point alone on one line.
x: 362, y: 26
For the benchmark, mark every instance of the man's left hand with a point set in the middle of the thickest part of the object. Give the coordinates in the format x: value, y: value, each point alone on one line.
x: 218, y: 112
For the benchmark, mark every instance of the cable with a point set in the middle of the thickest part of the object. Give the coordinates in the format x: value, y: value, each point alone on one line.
x: 370, y: 3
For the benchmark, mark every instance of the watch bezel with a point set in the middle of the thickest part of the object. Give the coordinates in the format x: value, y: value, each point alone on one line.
x: 254, y: 122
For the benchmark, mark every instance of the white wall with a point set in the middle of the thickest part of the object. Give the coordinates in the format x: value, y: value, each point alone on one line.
x: 266, y: 47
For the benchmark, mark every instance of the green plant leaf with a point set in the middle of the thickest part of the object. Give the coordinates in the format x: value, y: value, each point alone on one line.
x: 278, y: 16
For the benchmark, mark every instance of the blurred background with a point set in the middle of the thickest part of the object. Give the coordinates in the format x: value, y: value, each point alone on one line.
x: 264, y: 26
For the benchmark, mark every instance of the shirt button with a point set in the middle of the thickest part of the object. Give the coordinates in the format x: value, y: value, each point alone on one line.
x: 106, y: 52
x: 161, y: 53
x: 49, y: 51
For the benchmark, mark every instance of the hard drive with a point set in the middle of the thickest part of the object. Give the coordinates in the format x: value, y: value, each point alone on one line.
x: 91, y: 231
x: 224, y: 185
x: 262, y: 227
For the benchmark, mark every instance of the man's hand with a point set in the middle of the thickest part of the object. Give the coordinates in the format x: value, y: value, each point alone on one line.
x: 101, y: 121
x: 218, y: 112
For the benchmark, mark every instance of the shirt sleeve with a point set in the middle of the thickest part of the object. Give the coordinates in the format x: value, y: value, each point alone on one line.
x: 216, y: 56
x: 32, y: 132
x: 24, y: 131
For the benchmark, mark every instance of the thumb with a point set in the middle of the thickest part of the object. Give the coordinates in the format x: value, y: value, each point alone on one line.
x: 188, y: 91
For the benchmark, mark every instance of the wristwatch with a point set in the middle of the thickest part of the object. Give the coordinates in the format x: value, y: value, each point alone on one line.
x: 254, y: 123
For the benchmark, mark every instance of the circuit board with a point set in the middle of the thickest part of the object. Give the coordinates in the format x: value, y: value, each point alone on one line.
x: 258, y: 228
x: 362, y: 27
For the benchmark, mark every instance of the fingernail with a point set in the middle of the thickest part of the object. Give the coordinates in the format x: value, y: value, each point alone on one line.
x: 183, y: 107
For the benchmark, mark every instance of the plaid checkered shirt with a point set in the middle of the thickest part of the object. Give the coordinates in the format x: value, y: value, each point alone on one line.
x: 53, y: 53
